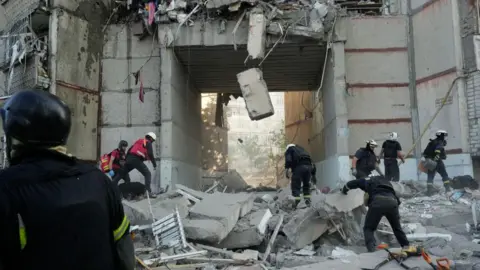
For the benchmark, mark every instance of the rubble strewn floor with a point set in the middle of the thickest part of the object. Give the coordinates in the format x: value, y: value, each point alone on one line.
x: 235, y: 230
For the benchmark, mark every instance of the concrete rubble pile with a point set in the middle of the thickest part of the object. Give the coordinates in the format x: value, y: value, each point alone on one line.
x: 186, y: 228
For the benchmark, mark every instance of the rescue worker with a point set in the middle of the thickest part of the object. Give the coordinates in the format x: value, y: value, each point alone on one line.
x: 299, y: 162
x: 118, y: 159
x: 365, y: 161
x: 141, y: 150
x: 435, y: 151
x: 391, y: 150
x: 382, y: 202
x: 56, y: 212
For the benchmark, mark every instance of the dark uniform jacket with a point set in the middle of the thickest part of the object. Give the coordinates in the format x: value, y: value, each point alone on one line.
x: 59, y: 213
x: 296, y: 155
x: 374, y: 186
x: 366, y: 160
x: 435, y: 148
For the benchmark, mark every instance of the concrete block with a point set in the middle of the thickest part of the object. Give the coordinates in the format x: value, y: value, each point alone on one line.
x: 249, y: 230
x: 139, y: 213
x: 223, y: 207
x: 234, y: 180
x: 304, y: 227
x: 345, y: 203
x: 257, y: 34
x: 195, y: 193
x: 255, y: 92
x: 211, y: 231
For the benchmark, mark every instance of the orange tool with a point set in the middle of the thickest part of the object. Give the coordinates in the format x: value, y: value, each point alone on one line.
x: 427, y: 258
x: 443, y: 264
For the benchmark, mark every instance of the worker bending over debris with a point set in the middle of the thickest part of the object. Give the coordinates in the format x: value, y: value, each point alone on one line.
x: 382, y: 202
x: 391, y: 150
x: 434, y: 155
x: 299, y: 162
x: 365, y: 161
x: 141, y: 150
x: 56, y: 212
x: 113, y: 162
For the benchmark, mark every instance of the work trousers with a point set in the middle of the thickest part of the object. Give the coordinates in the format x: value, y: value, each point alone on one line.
x: 440, y: 169
x: 301, y: 175
x: 362, y: 173
x: 383, y: 206
x: 392, y: 171
x: 124, y: 176
x: 135, y: 162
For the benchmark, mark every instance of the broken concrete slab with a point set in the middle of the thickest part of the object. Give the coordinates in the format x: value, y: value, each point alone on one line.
x: 246, y: 255
x: 226, y: 208
x: 197, y: 194
x: 345, y: 203
x: 304, y: 227
x: 255, y: 93
x: 234, y: 180
x: 211, y: 231
x: 139, y: 213
x: 249, y: 230
x: 257, y: 34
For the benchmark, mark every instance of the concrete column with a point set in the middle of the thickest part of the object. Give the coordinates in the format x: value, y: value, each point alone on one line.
x: 335, y: 168
x: 181, y: 125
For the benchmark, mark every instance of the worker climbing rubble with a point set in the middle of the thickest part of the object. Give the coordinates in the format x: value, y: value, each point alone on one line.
x: 365, y: 161
x: 391, y: 150
x: 113, y: 162
x: 56, y: 212
x: 141, y: 150
x: 434, y: 155
x: 382, y: 202
x: 298, y: 160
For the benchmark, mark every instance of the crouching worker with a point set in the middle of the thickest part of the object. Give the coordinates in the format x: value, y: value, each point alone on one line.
x: 298, y: 160
x: 113, y: 162
x: 56, y: 212
x: 382, y: 202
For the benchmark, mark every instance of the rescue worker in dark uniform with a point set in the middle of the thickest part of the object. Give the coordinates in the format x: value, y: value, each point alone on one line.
x: 141, y: 150
x: 118, y: 159
x: 56, y: 212
x: 382, y: 202
x: 365, y: 161
x: 391, y: 150
x: 435, y: 151
x: 299, y: 162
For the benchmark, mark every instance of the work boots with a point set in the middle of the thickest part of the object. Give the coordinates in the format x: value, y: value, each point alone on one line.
x: 308, y: 202
x: 152, y: 195
x: 430, y: 189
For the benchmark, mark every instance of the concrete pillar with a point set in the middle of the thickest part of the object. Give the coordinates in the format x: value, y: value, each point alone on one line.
x: 334, y: 169
x: 181, y: 125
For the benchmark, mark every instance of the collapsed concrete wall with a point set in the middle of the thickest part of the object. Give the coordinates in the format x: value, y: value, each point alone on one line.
x: 181, y: 124
x: 124, y: 116
x: 438, y: 62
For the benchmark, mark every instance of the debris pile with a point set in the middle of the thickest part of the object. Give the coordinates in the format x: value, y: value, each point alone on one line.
x: 187, y: 228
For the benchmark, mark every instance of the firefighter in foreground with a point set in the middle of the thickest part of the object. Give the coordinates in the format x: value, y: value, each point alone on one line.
x: 113, y: 162
x: 298, y: 160
x: 434, y: 153
x: 56, y: 212
x: 382, y: 202
x: 391, y: 150
x: 141, y: 150
x: 365, y: 161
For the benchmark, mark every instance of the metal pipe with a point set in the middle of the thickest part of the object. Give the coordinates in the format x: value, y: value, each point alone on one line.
x: 412, y: 83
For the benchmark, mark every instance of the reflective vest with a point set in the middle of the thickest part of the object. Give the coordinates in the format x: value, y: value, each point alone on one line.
x: 139, y: 148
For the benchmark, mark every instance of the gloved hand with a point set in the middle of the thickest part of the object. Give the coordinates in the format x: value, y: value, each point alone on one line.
x: 436, y: 158
x: 345, y: 190
x: 111, y: 173
x: 354, y: 171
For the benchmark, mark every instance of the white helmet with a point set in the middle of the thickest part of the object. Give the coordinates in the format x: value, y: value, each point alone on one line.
x: 372, y: 143
x: 152, y: 135
x: 441, y: 132
x: 393, y: 136
x: 290, y: 145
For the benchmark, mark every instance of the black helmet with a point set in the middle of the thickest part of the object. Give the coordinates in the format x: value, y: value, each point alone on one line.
x: 122, y: 143
x: 36, y: 118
